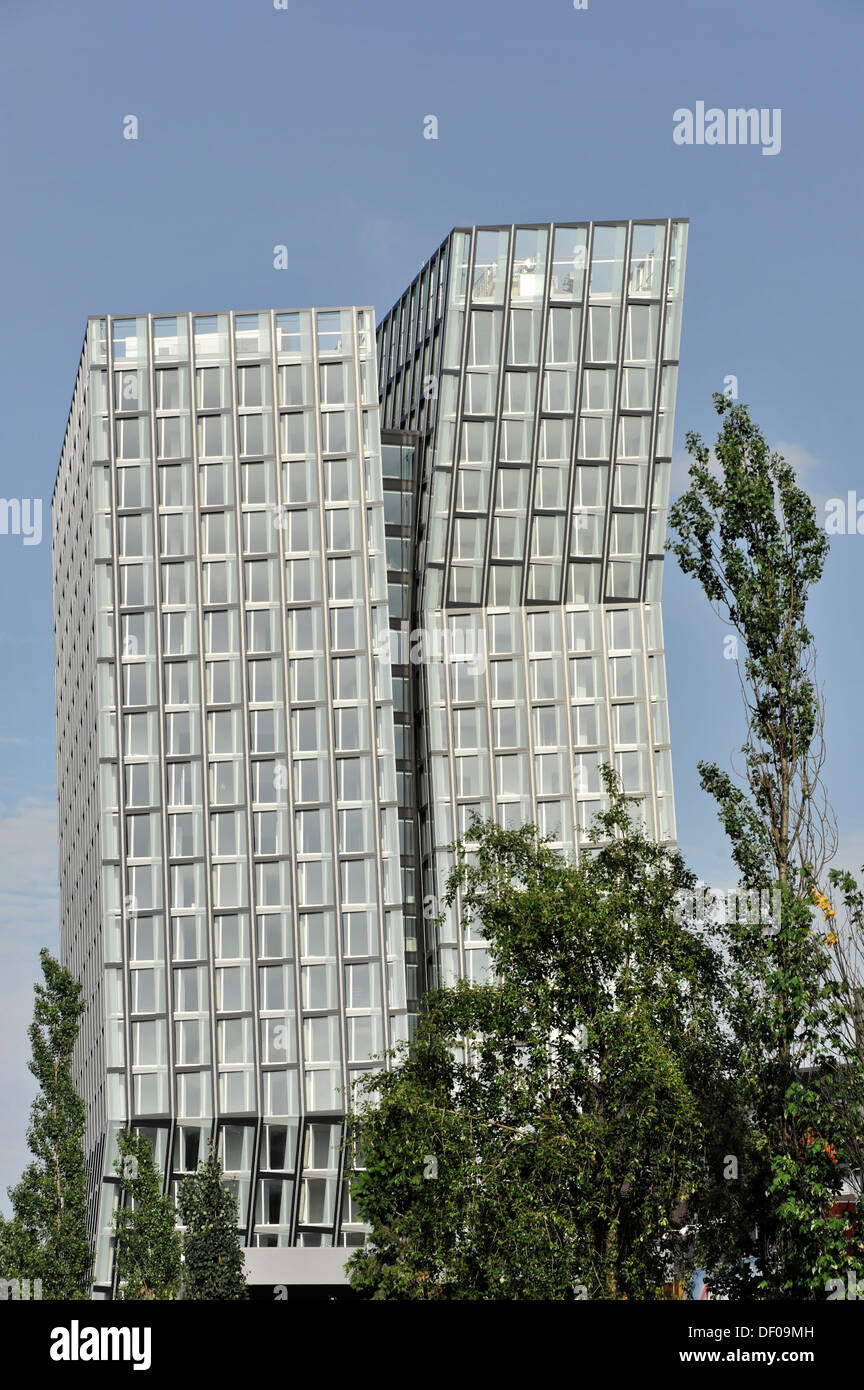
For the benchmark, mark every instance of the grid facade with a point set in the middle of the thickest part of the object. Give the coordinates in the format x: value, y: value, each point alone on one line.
x: 536, y: 369
x: 230, y: 884
x: 302, y: 635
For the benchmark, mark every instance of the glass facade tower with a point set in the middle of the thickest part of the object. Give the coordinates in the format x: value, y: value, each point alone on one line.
x: 535, y: 367
x: 314, y: 607
x: 229, y: 835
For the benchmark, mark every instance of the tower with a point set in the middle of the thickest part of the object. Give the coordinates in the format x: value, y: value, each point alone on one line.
x: 534, y: 368
x: 229, y: 862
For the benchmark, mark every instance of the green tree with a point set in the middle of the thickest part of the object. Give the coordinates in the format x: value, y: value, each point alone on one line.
x: 47, y: 1236
x: 543, y: 1133
x: 748, y: 533
x: 147, y: 1243
x: 845, y: 937
x: 213, y: 1265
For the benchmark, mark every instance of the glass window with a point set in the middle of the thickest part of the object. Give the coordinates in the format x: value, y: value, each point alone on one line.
x: 640, y: 343
x: 568, y: 262
x: 261, y: 581
x: 490, y: 266
x: 249, y: 386
x: 258, y: 482
x: 213, y: 436
x: 562, y: 343
x: 215, y: 481
x: 335, y: 331
x: 602, y: 340
x: 336, y: 383
x: 484, y: 344
x: 131, y: 487
x: 607, y: 262
x: 295, y: 385
x: 523, y: 346
x: 646, y: 261
x: 208, y: 387
x: 225, y: 783
x: 171, y: 437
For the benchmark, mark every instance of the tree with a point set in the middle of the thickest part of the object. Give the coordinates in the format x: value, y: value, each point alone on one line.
x: 47, y: 1236
x: 542, y: 1134
x: 147, y: 1243
x: 749, y: 535
x: 846, y: 938
x: 213, y: 1265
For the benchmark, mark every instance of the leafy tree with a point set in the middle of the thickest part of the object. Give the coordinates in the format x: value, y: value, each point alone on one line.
x: 632, y: 1097
x: 47, y: 1236
x: 845, y: 937
x: 213, y: 1265
x: 749, y: 534
x: 147, y: 1243
x: 542, y: 1134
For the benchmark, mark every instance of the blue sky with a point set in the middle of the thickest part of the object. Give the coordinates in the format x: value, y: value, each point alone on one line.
x: 304, y: 127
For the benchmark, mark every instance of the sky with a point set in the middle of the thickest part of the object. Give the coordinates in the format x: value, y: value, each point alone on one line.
x: 303, y: 126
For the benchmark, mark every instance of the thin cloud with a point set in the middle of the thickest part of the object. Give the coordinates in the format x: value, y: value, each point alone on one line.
x: 800, y: 459
x: 803, y: 463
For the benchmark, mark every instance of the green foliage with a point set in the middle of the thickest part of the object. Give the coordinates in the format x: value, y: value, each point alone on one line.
x: 539, y: 1137
x: 213, y: 1265
x: 845, y: 941
x: 635, y: 1096
x: 147, y: 1243
x: 47, y: 1236
x: 791, y: 1075
x: 749, y: 534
